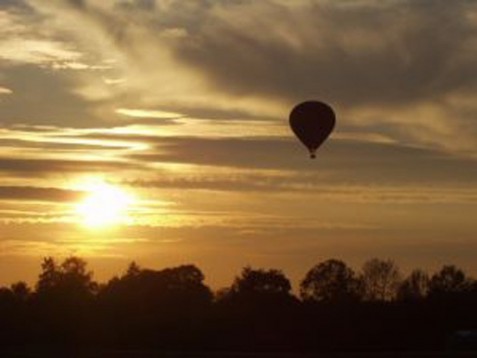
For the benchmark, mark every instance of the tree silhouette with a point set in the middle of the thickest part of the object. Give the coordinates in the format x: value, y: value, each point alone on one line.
x: 133, y: 269
x: 149, y: 288
x: 449, y: 281
x: 63, y: 302
x: 259, y: 307
x: 71, y: 277
x: 330, y: 281
x: 414, y: 287
x: 380, y: 280
x: 49, y: 276
x: 21, y: 291
x: 147, y: 307
x: 259, y: 281
x: 172, y: 309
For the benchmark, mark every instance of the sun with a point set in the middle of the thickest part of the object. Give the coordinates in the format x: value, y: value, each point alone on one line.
x: 105, y: 205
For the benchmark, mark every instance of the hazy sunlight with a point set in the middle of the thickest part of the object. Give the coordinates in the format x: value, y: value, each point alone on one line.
x: 106, y: 205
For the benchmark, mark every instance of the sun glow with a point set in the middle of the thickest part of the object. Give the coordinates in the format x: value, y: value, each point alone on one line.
x: 105, y: 205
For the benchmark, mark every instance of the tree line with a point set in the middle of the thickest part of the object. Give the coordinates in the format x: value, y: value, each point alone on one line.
x: 377, y: 308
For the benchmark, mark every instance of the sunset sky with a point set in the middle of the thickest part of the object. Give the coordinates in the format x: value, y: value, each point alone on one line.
x: 157, y: 131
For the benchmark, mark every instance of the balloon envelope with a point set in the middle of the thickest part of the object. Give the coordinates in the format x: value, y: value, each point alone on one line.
x: 312, y: 122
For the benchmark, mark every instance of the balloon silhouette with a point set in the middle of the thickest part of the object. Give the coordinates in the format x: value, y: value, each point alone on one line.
x: 312, y: 122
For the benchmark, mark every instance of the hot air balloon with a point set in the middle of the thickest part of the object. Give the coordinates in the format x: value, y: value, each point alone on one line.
x: 312, y: 122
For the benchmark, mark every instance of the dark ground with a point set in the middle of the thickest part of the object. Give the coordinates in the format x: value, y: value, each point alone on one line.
x: 140, y: 354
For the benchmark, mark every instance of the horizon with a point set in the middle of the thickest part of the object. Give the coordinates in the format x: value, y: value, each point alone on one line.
x: 157, y: 131
x: 400, y: 278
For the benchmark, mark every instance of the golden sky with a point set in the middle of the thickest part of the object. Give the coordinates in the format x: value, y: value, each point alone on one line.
x: 157, y: 131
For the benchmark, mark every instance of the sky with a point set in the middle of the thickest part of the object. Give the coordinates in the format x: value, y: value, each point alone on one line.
x: 157, y: 131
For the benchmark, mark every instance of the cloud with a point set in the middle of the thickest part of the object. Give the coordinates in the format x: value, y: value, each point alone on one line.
x: 41, y: 52
x: 26, y: 41
x: 260, y: 58
x: 43, y: 167
x: 356, y: 158
x: 56, y: 249
x: 291, y: 183
x: 35, y: 55
x: 344, y: 160
x: 4, y: 90
x: 39, y: 194
x: 232, y: 161
x: 15, y: 5
x: 144, y: 113
x: 44, y: 98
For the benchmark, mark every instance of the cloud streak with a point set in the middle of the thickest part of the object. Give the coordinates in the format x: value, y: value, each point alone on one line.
x: 39, y: 194
x: 42, y: 167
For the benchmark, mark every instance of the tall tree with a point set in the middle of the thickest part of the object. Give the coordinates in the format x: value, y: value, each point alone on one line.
x: 330, y: 281
x: 64, y: 300
x: 414, y: 287
x: 70, y: 279
x: 450, y: 280
x: 380, y: 280
x: 49, y: 276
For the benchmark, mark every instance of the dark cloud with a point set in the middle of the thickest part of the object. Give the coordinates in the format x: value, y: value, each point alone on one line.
x: 44, y: 97
x: 77, y: 3
x: 42, y: 167
x: 16, y: 6
x: 392, y: 56
x: 60, y: 146
x: 237, y: 182
x: 344, y: 161
x: 352, y: 54
x: 39, y: 194
x: 399, y: 52
x: 145, y: 5
x: 309, y: 184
